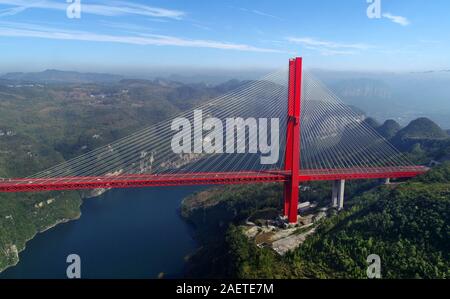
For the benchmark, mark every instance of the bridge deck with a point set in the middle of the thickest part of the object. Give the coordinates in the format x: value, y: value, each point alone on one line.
x: 217, y: 178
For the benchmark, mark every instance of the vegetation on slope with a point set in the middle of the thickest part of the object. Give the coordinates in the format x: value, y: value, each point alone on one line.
x: 422, y: 140
x: 42, y: 125
x: 389, y: 128
x: 407, y: 225
x: 421, y: 128
x: 217, y: 213
x: 24, y: 215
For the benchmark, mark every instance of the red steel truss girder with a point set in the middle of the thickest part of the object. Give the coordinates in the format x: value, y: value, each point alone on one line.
x: 216, y: 178
x: 136, y: 181
x: 359, y: 174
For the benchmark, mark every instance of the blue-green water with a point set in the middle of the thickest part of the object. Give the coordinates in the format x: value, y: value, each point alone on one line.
x: 129, y: 233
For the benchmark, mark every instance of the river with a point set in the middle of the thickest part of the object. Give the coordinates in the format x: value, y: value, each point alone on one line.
x: 128, y: 233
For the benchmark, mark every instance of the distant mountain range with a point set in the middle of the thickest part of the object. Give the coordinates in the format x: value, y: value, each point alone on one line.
x: 432, y: 71
x: 207, y: 77
x: 56, y: 76
x: 399, y: 96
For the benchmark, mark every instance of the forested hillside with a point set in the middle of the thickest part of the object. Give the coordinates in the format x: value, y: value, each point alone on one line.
x: 42, y: 124
x: 407, y: 224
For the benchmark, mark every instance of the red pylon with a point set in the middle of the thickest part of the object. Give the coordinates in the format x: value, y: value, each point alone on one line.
x: 292, y: 158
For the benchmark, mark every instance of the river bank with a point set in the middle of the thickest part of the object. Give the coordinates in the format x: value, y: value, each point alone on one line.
x: 121, y: 234
x: 84, y: 195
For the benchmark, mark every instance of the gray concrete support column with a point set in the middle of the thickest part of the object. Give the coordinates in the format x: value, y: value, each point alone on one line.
x: 334, y: 194
x: 341, y: 189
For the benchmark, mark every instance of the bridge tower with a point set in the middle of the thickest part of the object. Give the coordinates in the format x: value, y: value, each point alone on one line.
x: 292, y: 158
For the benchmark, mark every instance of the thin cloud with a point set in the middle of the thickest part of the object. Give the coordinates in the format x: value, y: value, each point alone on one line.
x: 328, y: 52
x: 397, y: 19
x: 430, y: 41
x: 126, y: 26
x: 203, y: 27
x: 36, y: 31
x: 264, y: 14
x: 327, y: 44
x: 11, y: 11
x: 328, y: 48
x: 101, y: 8
x: 259, y: 13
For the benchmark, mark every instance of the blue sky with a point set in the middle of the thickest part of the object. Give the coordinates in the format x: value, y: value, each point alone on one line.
x: 411, y: 35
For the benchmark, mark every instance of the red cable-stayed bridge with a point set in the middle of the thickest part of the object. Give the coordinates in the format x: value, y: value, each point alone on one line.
x: 323, y: 140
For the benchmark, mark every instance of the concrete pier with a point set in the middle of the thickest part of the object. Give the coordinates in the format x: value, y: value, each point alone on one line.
x: 341, y: 190
x: 334, y: 194
x: 337, y: 196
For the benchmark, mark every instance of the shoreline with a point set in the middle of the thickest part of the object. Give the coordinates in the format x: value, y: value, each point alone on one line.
x: 61, y: 221
x: 94, y: 195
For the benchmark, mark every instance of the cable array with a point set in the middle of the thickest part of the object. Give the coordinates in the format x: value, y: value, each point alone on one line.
x: 149, y: 150
x: 333, y: 136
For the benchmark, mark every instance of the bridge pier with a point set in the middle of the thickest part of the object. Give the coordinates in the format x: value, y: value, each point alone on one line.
x: 341, y: 191
x: 387, y: 181
x: 337, y: 194
x: 334, y: 194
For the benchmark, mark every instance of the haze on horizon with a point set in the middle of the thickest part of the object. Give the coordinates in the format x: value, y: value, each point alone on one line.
x: 404, y: 52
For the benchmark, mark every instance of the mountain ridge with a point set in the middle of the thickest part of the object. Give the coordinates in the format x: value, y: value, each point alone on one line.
x: 59, y: 76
